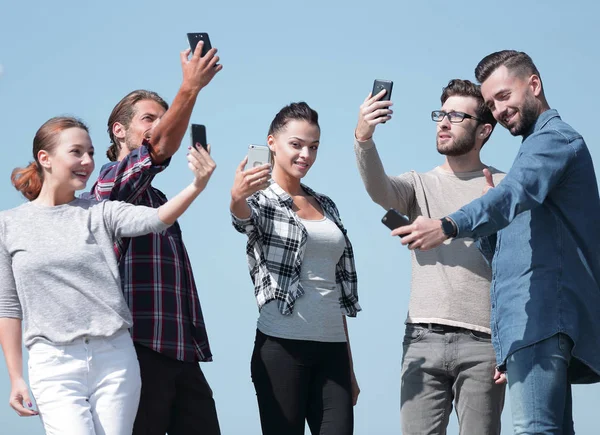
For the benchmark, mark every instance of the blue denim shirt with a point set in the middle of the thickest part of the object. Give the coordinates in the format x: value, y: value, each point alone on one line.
x: 546, y: 264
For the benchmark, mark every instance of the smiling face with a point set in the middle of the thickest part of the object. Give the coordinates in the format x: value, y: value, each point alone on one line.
x: 512, y: 98
x: 457, y: 139
x: 295, y: 147
x: 71, y: 162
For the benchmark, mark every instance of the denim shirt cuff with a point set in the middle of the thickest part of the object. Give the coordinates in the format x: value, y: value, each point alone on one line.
x: 461, y: 220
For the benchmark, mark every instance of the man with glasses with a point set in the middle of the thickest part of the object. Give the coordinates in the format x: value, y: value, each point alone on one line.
x: 448, y: 356
x: 543, y: 216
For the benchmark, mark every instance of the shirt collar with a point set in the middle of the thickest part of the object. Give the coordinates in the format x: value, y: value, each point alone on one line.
x: 276, y: 190
x: 541, y: 121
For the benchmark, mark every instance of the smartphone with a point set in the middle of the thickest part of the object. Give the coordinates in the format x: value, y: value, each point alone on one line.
x: 194, y: 38
x: 379, y: 85
x: 393, y: 219
x: 258, y: 155
x: 198, y: 135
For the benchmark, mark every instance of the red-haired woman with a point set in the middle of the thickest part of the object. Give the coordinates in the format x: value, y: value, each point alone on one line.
x: 59, y: 283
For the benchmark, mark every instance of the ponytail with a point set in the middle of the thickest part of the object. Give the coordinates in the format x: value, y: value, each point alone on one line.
x: 28, y: 180
x: 112, y: 152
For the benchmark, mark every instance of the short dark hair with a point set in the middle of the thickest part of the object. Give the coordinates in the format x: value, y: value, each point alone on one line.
x: 513, y: 60
x: 293, y: 111
x: 123, y: 114
x: 466, y: 88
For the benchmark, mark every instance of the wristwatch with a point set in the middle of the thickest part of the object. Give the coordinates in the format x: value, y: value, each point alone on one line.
x: 448, y: 227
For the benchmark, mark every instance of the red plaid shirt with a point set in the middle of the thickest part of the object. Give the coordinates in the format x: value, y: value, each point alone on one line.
x: 156, y: 273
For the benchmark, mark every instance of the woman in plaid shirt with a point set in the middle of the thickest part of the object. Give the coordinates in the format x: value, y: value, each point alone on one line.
x: 302, y: 267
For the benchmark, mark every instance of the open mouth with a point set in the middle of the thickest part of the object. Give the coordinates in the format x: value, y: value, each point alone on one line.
x: 301, y: 165
x: 81, y: 175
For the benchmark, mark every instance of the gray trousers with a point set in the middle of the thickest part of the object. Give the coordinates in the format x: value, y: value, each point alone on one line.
x: 441, y: 367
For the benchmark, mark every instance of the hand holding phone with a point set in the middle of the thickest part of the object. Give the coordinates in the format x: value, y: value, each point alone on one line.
x: 380, y: 85
x: 199, y: 68
x: 198, y: 134
x: 195, y: 38
x: 393, y: 219
x: 253, y: 174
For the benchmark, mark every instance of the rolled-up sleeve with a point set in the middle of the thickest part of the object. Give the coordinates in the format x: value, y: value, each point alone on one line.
x: 248, y: 225
x: 127, y: 179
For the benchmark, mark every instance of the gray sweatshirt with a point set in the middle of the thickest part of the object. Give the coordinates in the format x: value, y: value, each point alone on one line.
x: 450, y: 284
x: 58, y: 270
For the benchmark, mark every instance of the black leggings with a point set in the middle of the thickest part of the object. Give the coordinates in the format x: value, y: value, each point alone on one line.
x: 298, y: 380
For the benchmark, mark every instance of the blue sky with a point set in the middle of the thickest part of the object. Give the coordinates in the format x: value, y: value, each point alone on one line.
x: 80, y: 58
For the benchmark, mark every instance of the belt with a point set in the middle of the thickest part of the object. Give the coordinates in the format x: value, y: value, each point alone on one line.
x: 436, y: 327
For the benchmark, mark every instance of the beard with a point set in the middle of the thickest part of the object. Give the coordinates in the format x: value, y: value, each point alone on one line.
x: 529, y: 114
x: 131, y: 142
x: 458, y: 146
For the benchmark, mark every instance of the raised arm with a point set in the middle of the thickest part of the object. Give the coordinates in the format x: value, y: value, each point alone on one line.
x: 388, y: 192
x: 197, y: 73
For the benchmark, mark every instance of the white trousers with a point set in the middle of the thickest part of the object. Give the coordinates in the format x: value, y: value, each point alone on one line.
x: 88, y: 387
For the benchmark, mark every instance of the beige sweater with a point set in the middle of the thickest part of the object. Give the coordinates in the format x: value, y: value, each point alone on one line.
x: 450, y: 284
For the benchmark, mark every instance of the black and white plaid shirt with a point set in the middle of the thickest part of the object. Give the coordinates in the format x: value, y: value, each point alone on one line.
x: 276, y: 245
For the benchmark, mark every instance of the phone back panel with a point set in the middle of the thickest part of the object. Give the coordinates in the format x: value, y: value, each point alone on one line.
x: 379, y: 85
x: 194, y: 38
x: 258, y: 155
x: 199, y: 135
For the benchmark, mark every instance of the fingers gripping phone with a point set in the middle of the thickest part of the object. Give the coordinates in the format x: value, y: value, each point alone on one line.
x: 199, y: 136
x: 378, y: 86
x: 258, y: 155
x: 393, y: 219
x: 194, y: 38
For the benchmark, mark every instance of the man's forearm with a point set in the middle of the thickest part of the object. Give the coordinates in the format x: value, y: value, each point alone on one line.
x: 379, y: 185
x: 168, y: 134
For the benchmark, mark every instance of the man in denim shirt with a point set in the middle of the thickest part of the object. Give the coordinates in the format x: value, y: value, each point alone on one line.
x: 545, y: 291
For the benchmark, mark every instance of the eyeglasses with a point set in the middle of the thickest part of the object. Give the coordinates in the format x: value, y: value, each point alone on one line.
x: 453, y: 117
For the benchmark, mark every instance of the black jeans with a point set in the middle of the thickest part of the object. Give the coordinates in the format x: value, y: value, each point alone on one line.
x: 176, y: 398
x: 298, y: 380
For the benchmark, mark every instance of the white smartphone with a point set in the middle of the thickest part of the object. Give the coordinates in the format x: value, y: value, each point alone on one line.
x: 258, y: 155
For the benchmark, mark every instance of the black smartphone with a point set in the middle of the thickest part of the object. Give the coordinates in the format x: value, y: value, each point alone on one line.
x: 194, y: 38
x: 379, y: 85
x: 392, y: 219
x: 199, y: 135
